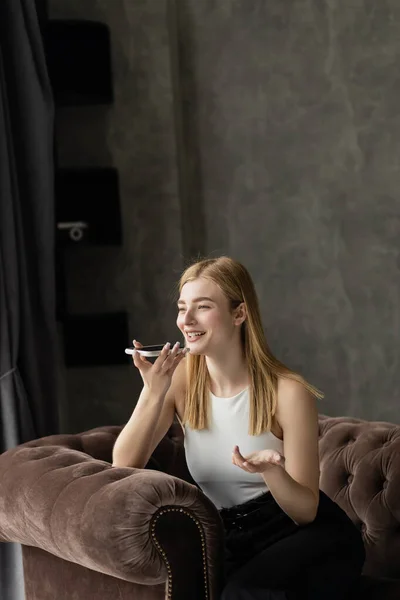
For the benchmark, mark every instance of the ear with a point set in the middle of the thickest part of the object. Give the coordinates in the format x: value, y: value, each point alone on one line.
x: 240, y: 314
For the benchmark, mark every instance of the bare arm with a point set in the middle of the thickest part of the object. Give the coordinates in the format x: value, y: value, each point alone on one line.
x: 134, y: 445
x: 152, y: 417
x: 296, y: 487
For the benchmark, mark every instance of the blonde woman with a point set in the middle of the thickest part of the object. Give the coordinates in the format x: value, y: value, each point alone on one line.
x: 251, y: 441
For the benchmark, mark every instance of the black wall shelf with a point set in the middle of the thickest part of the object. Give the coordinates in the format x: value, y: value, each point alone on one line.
x: 79, y: 62
x: 87, y: 206
x: 89, y: 196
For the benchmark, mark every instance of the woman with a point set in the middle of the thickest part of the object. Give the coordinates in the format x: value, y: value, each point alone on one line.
x: 251, y: 441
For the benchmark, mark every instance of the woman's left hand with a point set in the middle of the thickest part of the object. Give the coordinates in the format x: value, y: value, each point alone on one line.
x: 257, y: 462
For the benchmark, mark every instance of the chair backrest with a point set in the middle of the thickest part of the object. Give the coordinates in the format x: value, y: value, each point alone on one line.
x: 360, y: 470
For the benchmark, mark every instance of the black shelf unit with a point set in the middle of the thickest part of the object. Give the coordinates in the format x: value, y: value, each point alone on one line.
x: 87, y: 207
x: 79, y: 62
x: 89, y: 196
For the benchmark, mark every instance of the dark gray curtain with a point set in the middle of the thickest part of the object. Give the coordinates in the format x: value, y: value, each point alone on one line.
x: 28, y: 403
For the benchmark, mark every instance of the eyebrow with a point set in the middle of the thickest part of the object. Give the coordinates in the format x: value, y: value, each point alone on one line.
x: 197, y: 300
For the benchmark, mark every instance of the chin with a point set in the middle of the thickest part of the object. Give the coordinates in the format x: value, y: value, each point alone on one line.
x: 196, y: 352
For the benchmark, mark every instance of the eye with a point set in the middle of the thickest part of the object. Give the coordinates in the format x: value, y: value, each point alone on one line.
x: 200, y: 306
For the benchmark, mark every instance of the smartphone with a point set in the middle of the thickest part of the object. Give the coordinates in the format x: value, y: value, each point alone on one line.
x: 151, y: 350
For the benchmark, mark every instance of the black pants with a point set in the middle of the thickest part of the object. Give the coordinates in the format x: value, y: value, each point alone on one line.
x: 268, y: 557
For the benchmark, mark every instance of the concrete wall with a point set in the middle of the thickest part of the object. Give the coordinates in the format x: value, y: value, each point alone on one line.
x: 295, y: 108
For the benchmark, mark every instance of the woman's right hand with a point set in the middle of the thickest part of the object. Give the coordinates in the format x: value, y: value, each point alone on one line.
x: 157, y: 376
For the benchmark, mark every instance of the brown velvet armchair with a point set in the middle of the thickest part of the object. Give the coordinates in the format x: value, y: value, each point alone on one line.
x: 90, y: 530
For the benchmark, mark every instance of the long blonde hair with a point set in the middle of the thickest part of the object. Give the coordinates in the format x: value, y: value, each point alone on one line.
x: 264, y: 369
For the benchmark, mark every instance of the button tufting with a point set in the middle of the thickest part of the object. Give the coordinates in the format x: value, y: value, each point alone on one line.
x: 350, y: 478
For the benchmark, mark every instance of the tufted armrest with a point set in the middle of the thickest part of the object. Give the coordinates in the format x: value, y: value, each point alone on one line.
x: 114, y: 520
x: 360, y: 470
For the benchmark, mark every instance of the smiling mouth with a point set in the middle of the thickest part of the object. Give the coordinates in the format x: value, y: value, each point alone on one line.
x: 193, y: 338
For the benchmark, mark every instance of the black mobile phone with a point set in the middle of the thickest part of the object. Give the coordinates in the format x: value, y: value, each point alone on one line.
x: 150, y: 351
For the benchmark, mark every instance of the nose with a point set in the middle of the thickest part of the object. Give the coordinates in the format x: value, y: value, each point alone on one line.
x: 188, y: 318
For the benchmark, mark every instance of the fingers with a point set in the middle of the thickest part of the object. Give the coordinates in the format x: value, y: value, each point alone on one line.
x: 177, y: 353
x: 179, y: 356
x: 137, y: 358
x: 170, y: 359
x: 237, y: 453
x: 166, y: 357
x: 137, y: 344
x: 163, y: 355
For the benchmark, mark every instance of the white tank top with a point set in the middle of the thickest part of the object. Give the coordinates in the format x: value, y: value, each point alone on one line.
x: 209, y: 452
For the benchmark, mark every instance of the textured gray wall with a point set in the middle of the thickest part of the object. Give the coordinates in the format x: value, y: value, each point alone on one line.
x: 286, y: 116
x: 295, y: 109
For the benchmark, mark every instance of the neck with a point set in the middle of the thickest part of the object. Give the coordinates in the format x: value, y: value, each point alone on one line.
x: 228, y: 371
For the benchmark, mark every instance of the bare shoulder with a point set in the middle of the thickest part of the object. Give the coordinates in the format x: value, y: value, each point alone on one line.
x: 294, y: 402
x: 291, y: 388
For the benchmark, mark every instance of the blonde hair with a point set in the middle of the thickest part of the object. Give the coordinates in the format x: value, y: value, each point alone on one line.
x: 235, y: 282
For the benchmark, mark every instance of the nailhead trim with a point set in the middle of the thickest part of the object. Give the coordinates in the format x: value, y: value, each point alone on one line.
x: 161, y: 551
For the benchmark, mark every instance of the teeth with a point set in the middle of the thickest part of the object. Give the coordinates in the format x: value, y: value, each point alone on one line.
x: 195, y: 334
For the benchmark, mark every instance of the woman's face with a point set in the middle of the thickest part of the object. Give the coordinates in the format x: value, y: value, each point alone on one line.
x: 203, y: 309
